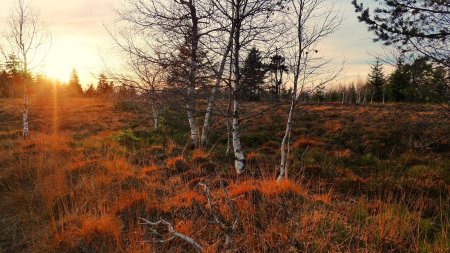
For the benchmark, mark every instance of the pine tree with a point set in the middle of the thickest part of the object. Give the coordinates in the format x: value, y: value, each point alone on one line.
x: 178, y: 67
x: 253, y: 76
x: 74, y: 87
x: 399, y: 83
x: 277, y: 68
x: 15, y: 78
x: 90, y: 92
x: 103, y: 87
x: 377, y: 81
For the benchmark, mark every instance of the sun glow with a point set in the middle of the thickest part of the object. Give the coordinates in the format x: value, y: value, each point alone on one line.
x: 55, y: 124
x: 71, y: 52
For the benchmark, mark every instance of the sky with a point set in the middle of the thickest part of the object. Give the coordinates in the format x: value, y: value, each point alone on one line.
x: 80, y: 40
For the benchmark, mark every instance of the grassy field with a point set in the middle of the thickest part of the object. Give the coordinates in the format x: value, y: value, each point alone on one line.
x: 372, y: 178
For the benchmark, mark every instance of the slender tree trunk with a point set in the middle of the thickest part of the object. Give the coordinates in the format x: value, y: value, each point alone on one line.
x: 239, y: 162
x: 155, y: 117
x: 227, y: 152
x: 229, y: 123
x: 26, y: 129
x: 212, y: 97
x: 286, y: 141
x: 190, y: 107
x: 285, y: 149
x: 239, y: 157
x: 190, y: 104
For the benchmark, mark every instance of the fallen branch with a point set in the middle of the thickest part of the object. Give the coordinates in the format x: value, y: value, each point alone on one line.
x: 175, y: 233
x: 228, y: 227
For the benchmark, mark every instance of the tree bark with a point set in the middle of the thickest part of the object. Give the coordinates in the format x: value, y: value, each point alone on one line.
x: 190, y: 108
x: 26, y: 128
x: 211, y: 100
x: 239, y: 157
x: 155, y: 118
x: 286, y: 141
x: 190, y: 105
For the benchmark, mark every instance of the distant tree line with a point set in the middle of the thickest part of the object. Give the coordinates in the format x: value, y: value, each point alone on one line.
x: 12, y: 79
x: 420, y: 81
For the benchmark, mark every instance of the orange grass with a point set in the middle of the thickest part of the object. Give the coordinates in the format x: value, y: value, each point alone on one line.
x: 304, y: 142
x: 199, y: 155
x: 80, y: 190
x: 184, y: 199
x: 272, y: 188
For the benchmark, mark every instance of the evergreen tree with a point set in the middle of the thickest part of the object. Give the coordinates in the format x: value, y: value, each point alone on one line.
x: 377, y: 81
x: 441, y: 80
x: 4, y: 84
x: 277, y: 68
x: 103, y: 87
x: 430, y: 81
x: 418, y: 26
x: 253, y: 76
x: 13, y: 86
x: 178, y: 67
x: 74, y: 87
x: 399, y: 83
x: 352, y: 94
x: 90, y: 92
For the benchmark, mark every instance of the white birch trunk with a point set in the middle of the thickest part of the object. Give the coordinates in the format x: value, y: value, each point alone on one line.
x: 239, y: 159
x: 190, y: 103
x: 211, y: 101
x: 190, y: 107
x: 155, y: 118
x: 207, y: 121
x: 26, y: 128
x: 229, y: 128
x: 286, y: 142
x: 227, y: 152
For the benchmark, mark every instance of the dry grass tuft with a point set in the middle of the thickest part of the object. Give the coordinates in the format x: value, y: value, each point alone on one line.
x: 91, y: 234
x: 100, y: 234
x: 252, y: 157
x: 243, y: 187
x: 333, y: 126
x: 304, y: 142
x: 185, y: 199
x: 148, y: 170
x: 199, y: 156
x: 178, y: 164
x: 325, y: 198
x: 270, y: 188
x: 345, y: 153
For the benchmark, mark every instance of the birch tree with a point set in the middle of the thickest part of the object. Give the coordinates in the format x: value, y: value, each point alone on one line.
x: 311, y: 21
x: 154, y: 29
x: 146, y: 78
x: 25, y: 39
x: 253, y: 22
x: 227, y: 31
